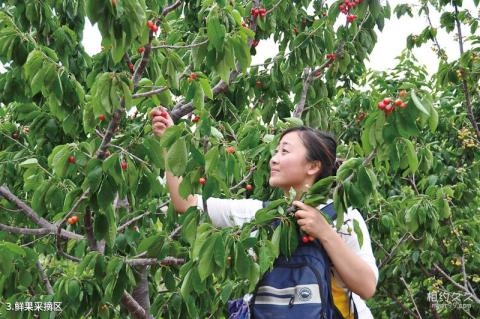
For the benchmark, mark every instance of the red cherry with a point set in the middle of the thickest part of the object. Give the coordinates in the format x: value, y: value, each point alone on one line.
x: 387, y: 100
x: 351, y: 18
x: 231, y: 149
x: 263, y: 12
x: 249, y: 187
x: 202, y: 181
x: 141, y: 50
x: 74, y: 219
x: 193, y: 76
x: 381, y: 105
x: 155, y: 29
x: 114, y: 3
x: 258, y: 84
x: 72, y: 159
x: 70, y: 221
x: 403, y: 105
x: 150, y: 24
x: 324, y: 14
x: 131, y: 66
x: 196, y: 119
x: 15, y: 135
x: 124, y: 165
x: 101, y: 117
x: 389, y: 107
x: 398, y: 102
x: 403, y: 93
x: 305, y: 239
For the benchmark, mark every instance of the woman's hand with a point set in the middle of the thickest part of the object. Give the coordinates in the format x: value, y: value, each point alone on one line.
x: 161, y: 120
x: 310, y: 220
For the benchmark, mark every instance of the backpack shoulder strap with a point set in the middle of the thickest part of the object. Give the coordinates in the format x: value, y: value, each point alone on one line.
x: 330, y: 211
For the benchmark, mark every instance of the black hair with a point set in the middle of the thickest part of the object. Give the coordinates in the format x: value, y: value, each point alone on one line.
x: 321, y: 146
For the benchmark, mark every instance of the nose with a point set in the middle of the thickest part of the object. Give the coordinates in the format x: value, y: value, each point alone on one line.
x: 273, y: 160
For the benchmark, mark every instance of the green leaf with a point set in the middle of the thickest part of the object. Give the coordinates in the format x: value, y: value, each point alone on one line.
x: 207, y: 90
x: 419, y: 104
x: 242, y: 261
x: 215, y: 30
x: 112, y: 226
x: 189, y: 227
x: 276, y: 239
x: 358, y: 232
x: 100, y: 226
x: 219, y: 252
x: 411, y: 156
x: 94, y: 174
x: 31, y: 162
x: 206, y: 261
x: 443, y: 208
x: 177, y: 157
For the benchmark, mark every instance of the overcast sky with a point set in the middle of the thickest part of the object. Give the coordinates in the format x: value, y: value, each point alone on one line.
x: 391, y: 41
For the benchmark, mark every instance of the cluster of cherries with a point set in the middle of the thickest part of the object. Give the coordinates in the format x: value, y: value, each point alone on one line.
x: 192, y: 77
x: 331, y: 56
x: 255, y: 12
x: 152, y: 26
x: 346, y: 6
x: 388, y: 106
x: 307, y: 238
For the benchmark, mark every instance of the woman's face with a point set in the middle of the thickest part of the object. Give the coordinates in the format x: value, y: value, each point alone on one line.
x: 289, y: 167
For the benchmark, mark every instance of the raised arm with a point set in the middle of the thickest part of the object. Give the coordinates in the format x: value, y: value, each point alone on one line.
x: 161, y: 120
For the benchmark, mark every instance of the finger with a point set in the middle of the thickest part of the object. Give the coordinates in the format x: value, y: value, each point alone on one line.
x: 300, y: 204
x: 159, y: 119
x: 159, y: 127
x: 300, y: 214
x: 155, y: 112
x: 301, y: 222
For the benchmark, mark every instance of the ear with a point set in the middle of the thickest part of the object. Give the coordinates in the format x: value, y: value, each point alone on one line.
x: 315, y: 168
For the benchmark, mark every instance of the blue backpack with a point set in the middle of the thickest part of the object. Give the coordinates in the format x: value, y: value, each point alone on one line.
x: 299, y: 286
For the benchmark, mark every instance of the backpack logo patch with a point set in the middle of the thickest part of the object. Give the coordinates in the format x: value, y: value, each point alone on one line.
x: 304, y: 294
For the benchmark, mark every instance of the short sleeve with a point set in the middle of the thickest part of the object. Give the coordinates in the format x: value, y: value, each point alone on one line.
x: 230, y: 212
x: 365, y: 251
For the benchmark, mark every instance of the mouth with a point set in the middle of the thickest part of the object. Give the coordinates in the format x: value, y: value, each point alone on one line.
x: 274, y: 171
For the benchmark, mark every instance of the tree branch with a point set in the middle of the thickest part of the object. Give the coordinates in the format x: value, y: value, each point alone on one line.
x: 92, y: 243
x: 140, y: 292
x: 188, y: 46
x: 274, y: 7
x: 25, y: 231
x: 133, y: 220
x: 133, y: 307
x: 149, y: 93
x: 465, y: 289
x: 245, y: 179
x: 28, y: 211
x: 167, y: 261
x: 401, y: 304
x: 468, y: 102
x: 44, y: 278
x: 112, y: 127
x: 171, y: 7
x: 411, y: 297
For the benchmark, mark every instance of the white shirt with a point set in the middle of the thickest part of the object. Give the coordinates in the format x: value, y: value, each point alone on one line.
x: 236, y: 212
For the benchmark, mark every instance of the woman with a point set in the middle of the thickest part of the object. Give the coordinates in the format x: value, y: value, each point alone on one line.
x: 302, y: 157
